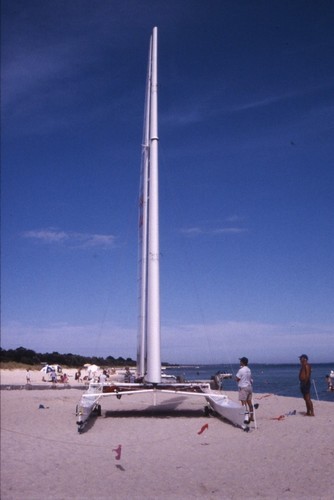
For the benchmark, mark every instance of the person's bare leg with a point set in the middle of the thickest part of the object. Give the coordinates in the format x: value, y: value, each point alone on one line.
x: 250, y: 409
x: 309, y: 405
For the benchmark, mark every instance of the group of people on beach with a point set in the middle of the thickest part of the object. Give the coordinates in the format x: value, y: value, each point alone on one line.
x: 245, y: 386
x: 95, y: 375
x: 63, y: 378
x: 243, y: 377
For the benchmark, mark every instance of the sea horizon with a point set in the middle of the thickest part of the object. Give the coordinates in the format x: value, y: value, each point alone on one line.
x: 280, y: 379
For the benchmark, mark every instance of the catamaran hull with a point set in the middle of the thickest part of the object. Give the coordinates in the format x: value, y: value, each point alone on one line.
x: 219, y: 403
x: 230, y: 410
x: 84, y: 411
x: 89, y: 403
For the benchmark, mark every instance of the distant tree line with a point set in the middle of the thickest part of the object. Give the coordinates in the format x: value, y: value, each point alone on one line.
x: 30, y: 357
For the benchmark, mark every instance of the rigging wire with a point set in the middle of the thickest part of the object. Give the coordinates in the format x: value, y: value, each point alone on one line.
x: 187, y: 253
x: 122, y: 269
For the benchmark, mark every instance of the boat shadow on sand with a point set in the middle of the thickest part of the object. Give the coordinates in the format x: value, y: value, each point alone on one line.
x: 169, y: 408
x: 89, y: 424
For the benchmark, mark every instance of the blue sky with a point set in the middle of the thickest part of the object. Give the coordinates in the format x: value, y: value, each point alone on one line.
x: 246, y: 94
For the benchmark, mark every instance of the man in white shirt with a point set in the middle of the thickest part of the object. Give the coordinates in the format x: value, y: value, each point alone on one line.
x: 245, y: 385
x: 103, y: 378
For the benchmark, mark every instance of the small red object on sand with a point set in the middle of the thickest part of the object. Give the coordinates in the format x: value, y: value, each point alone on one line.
x: 205, y: 426
x: 118, y: 452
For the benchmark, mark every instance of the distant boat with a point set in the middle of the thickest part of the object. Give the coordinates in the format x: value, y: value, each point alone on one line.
x: 149, y: 377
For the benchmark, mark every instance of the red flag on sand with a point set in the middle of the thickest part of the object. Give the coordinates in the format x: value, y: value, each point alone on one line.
x: 118, y: 452
x: 205, y: 426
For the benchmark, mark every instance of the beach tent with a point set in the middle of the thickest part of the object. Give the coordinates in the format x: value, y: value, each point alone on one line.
x: 57, y: 368
x: 91, y: 369
x: 47, y: 369
x: 51, y: 368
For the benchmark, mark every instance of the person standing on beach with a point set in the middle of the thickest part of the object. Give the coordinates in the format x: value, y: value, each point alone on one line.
x: 103, y: 377
x: 305, y: 383
x: 245, y: 385
x: 53, y: 376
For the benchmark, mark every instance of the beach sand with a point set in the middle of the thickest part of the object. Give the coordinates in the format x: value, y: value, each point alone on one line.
x: 162, y: 454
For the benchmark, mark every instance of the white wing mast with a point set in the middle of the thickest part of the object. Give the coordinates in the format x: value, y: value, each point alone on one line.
x: 143, y: 210
x: 148, y: 353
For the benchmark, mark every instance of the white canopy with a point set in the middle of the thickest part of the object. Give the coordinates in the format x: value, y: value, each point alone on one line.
x: 92, y: 368
x: 51, y: 368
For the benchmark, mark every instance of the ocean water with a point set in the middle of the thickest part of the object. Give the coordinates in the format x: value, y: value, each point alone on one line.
x: 268, y: 379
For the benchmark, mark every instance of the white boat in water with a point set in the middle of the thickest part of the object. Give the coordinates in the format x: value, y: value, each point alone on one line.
x: 149, y: 378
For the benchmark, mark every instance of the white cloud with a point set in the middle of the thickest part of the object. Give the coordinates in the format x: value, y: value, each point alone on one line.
x: 186, y: 116
x: 292, y: 94
x: 234, y: 218
x: 226, y: 230
x: 191, y: 231
x: 70, y: 238
x: 198, y: 231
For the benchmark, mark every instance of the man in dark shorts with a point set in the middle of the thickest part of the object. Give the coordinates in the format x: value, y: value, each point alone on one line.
x: 305, y: 383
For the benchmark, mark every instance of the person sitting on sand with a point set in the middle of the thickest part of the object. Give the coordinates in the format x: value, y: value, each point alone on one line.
x: 64, y: 378
x: 127, y: 376
x: 305, y: 383
x: 244, y: 379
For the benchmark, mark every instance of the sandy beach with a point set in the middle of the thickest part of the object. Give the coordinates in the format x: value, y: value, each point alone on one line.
x: 135, y: 450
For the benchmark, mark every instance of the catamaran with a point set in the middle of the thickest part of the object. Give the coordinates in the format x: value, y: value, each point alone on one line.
x: 149, y: 378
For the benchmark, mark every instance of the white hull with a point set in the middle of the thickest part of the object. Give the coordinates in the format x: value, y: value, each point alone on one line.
x: 89, y: 402
x: 230, y: 410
